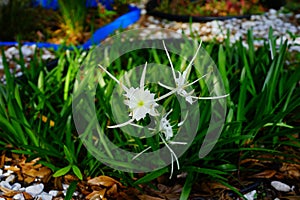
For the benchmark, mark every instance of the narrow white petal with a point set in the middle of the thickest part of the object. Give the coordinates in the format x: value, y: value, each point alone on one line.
x: 166, y: 95
x: 137, y: 155
x: 165, y: 86
x: 171, y: 151
x: 136, y: 125
x: 194, y: 57
x: 142, y: 82
x: 113, y: 77
x: 121, y: 125
x: 181, y: 123
x: 172, y: 67
x: 196, y: 80
x: 172, y: 167
x: 207, y: 98
x: 181, y: 143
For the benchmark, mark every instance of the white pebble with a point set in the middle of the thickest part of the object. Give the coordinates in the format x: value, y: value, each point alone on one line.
x: 26, y: 51
x: 65, y: 186
x: 251, y: 195
x: 294, y: 48
x: 279, y: 186
x: 19, y: 74
x: 5, y: 184
x: 143, y: 12
x: 8, y: 172
x: 53, y: 193
x: 156, y: 21
x: 272, y: 17
x: 44, y: 196
x: 184, y: 26
x: 16, y: 186
x: 150, y: 18
x: 19, y: 197
x: 152, y: 26
x: 35, y: 190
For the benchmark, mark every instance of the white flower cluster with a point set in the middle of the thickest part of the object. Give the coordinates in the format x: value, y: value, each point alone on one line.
x: 141, y: 102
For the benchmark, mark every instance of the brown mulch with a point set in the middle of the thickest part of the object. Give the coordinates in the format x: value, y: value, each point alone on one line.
x: 257, y: 174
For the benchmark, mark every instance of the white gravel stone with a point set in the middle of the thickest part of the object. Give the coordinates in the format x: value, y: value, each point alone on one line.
x: 143, y: 12
x: 27, y: 51
x: 16, y: 186
x: 11, y: 51
x: 272, y: 17
x: 35, y: 190
x: 184, y: 25
x: 18, y: 74
x: 5, y: 184
x: 65, y: 186
x: 150, y: 18
x: 45, y: 196
x: 53, y: 193
x: 152, y: 26
x: 19, y: 196
x: 251, y: 195
x: 295, y: 48
x: 282, y: 187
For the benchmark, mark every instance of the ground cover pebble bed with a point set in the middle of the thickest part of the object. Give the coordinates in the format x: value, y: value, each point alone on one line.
x: 285, y: 26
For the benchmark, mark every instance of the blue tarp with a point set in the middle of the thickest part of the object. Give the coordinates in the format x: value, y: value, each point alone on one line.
x: 53, y: 4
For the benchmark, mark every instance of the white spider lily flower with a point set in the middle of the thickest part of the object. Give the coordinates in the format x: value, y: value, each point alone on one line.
x: 181, y: 82
x: 166, y: 128
x: 139, y: 100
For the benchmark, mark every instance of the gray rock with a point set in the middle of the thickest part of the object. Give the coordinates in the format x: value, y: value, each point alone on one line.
x: 19, y: 197
x: 35, y: 190
x: 5, y: 184
x: 282, y: 187
x: 53, y: 193
x: 45, y: 196
x: 16, y: 186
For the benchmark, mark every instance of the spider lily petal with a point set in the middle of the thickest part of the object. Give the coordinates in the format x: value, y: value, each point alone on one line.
x: 140, y: 101
x: 182, y: 81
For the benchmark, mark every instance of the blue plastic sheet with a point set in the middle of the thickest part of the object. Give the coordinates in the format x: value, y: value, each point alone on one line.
x: 53, y: 4
x: 121, y: 22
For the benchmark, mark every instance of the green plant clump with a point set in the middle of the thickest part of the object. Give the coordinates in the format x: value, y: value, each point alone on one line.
x: 36, y: 113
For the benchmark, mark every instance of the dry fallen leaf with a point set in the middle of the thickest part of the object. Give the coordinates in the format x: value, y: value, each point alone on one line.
x: 27, y: 196
x: 105, y: 181
x: 96, y: 195
x: 13, y: 168
x: 7, y: 192
x: 113, y: 190
x: 291, y: 170
x: 147, y: 197
x: 265, y: 174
